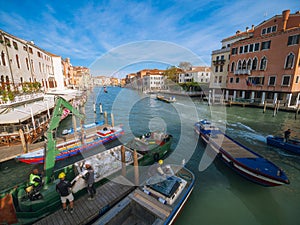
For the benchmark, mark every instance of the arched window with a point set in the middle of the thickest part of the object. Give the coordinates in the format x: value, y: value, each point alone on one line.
x: 239, y: 65
x: 249, y: 64
x: 27, y: 63
x: 289, y: 62
x: 18, y: 62
x: 244, y: 65
x: 232, y: 67
x: 254, y: 64
x: 2, y: 82
x: 3, y: 58
x: 263, y: 63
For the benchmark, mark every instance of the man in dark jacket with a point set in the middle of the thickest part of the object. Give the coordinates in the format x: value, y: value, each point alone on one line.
x: 89, y: 179
x: 64, y: 190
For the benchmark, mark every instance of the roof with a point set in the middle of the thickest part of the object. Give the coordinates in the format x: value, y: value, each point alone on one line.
x: 21, y: 113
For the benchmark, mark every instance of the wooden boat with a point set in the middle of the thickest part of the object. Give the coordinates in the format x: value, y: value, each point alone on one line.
x: 20, y: 209
x: 291, y: 145
x: 158, y: 201
x: 164, y: 99
x: 238, y: 157
x: 75, y: 146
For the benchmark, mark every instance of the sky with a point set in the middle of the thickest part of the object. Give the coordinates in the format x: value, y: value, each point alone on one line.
x: 118, y: 37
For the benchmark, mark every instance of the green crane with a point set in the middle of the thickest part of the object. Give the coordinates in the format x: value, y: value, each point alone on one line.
x: 51, y: 150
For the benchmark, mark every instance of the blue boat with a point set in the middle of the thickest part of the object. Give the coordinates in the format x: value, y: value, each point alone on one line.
x: 241, y: 159
x: 158, y: 202
x: 291, y: 145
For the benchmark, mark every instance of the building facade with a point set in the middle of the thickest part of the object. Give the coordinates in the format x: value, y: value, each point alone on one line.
x: 23, y: 62
x: 200, y: 74
x: 265, y: 66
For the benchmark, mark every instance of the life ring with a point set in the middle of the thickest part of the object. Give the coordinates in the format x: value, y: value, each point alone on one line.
x: 156, y: 157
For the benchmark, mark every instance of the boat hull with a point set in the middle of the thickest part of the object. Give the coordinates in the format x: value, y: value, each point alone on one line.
x: 72, y: 150
x: 292, y: 146
x: 253, y: 169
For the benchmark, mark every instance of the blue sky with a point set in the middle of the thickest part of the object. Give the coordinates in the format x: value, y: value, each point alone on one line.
x: 88, y: 31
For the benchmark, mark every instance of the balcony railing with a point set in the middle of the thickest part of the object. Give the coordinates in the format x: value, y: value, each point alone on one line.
x: 219, y: 62
x: 242, y: 72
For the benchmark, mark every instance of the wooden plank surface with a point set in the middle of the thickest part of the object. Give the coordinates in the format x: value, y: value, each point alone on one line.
x: 85, y: 210
x: 232, y: 148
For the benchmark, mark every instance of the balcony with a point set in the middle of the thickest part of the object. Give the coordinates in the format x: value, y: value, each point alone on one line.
x: 242, y: 72
x: 219, y: 62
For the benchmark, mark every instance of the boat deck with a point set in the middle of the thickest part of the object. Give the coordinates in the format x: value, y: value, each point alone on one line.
x: 232, y: 148
x: 85, y: 211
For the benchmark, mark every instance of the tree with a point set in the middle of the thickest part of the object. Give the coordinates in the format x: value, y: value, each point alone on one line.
x: 185, y: 66
x: 171, y: 73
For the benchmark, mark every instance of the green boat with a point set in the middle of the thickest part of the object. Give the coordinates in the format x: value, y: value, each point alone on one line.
x: 18, y: 208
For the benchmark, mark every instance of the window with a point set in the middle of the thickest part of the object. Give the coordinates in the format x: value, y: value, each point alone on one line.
x: 15, y: 45
x: 220, y: 79
x: 263, y: 63
x: 265, y: 45
x: 244, y: 65
x: 293, y: 40
x: 24, y: 48
x: 221, y: 68
x: 18, y: 62
x: 289, y: 62
x: 249, y: 64
x: 241, y: 50
x: 272, y: 81
x: 297, y: 80
x: 237, y: 80
x: 239, y: 65
x: 231, y: 80
x: 234, y: 51
x: 27, y: 63
x: 232, y: 67
x: 245, y: 48
x: 7, y: 41
x: 274, y: 28
x: 286, y: 80
x: 30, y: 50
x: 256, y: 47
x: 256, y: 80
x: 216, y: 79
x: 263, y: 31
x: 268, y: 30
x: 254, y: 64
x: 251, y: 48
x: 3, y: 58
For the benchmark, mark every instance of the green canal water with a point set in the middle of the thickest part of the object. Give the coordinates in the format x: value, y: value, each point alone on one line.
x: 220, y: 197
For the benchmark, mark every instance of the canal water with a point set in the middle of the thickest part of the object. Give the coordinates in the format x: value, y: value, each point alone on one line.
x: 220, y: 196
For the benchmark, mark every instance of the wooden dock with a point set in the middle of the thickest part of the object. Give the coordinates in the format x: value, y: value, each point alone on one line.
x: 11, y: 152
x: 85, y: 211
x: 232, y: 148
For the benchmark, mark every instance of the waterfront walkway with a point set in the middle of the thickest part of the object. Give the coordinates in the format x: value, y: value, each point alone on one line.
x: 86, y: 211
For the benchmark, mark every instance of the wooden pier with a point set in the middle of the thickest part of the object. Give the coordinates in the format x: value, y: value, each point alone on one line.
x: 86, y: 211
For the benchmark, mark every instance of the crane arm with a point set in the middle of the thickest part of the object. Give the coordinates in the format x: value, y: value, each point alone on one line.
x: 50, y: 150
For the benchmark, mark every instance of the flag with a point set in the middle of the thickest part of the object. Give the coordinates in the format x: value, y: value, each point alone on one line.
x: 248, y: 82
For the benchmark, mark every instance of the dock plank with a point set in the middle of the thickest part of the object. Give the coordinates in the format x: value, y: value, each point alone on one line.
x: 85, y: 210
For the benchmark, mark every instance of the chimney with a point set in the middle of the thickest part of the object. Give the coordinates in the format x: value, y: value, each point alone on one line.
x: 252, y: 27
x: 285, y: 17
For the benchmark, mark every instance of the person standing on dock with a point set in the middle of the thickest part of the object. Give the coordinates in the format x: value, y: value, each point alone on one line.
x: 287, y: 135
x: 64, y: 190
x: 89, y: 179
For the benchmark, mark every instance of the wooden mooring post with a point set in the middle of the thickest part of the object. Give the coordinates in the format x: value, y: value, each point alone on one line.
x: 297, y: 111
x: 136, y: 168
x: 265, y: 106
x: 123, y: 161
